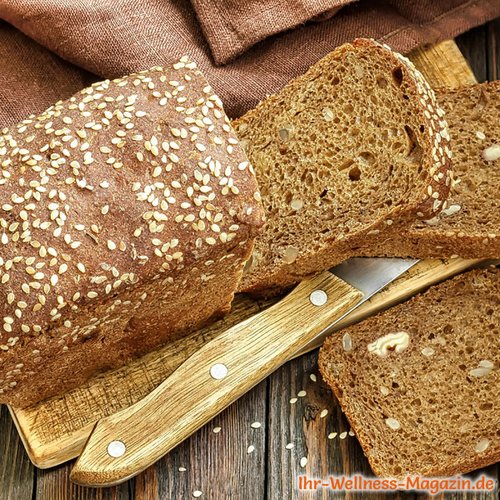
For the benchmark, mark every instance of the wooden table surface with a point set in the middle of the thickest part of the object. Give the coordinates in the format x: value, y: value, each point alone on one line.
x: 222, y: 464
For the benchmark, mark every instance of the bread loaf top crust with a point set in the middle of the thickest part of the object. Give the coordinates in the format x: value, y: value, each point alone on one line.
x: 126, y: 181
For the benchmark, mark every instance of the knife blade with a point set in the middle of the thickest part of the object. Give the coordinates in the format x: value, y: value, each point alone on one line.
x: 127, y: 442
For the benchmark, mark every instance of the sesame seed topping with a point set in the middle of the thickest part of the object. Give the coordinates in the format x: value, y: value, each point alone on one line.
x: 110, y: 136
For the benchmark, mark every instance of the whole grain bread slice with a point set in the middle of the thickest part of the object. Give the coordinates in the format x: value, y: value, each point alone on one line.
x: 469, y: 224
x: 340, y: 153
x: 420, y: 382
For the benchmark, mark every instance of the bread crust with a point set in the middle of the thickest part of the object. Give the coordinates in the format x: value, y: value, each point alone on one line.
x: 127, y: 212
x: 480, y: 287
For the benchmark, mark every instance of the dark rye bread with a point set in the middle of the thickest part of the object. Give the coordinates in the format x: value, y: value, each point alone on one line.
x: 469, y: 225
x: 342, y: 152
x: 126, y: 213
x: 432, y: 407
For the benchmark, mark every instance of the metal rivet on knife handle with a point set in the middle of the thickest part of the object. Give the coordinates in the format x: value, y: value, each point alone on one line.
x: 116, y: 449
x: 318, y: 298
x: 218, y: 371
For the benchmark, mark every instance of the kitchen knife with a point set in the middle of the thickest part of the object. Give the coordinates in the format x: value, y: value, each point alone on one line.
x: 127, y: 442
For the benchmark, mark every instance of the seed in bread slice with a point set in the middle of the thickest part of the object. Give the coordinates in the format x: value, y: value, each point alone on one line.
x: 340, y: 153
x: 469, y: 224
x: 420, y: 382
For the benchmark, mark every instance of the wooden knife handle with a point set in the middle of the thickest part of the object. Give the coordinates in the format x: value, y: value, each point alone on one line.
x: 126, y: 443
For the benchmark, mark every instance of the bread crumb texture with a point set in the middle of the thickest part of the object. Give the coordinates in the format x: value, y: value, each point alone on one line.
x: 469, y: 224
x: 340, y: 153
x: 126, y: 213
x: 433, y: 407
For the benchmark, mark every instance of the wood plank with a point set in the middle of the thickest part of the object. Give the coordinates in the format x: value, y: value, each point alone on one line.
x: 218, y: 464
x: 320, y: 439
x: 493, y: 49
x: 54, y: 484
x: 17, y: 474
x: 443, y: 65
x: 473, y: 46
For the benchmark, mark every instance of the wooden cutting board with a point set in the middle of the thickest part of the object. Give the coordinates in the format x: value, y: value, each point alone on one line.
x: 56, y: 430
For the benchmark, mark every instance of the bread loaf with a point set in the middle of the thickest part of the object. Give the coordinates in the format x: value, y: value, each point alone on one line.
x: 469, y: 225
x: 420, y: 382
x: 341, y: 153
x: 126, y: 214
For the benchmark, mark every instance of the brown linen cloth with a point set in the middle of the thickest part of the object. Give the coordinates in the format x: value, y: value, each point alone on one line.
x: 114, y: 37
x: 233, y: 26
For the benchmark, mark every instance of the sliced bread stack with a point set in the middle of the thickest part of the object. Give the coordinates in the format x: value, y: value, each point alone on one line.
x: 469, y: 225
x: 420, y: 382
x: 342, y: 152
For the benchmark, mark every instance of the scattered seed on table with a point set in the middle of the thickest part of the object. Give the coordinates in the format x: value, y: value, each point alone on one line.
x: 303, y: 461
x: 256, y: 425
x: 289, y: 446
x: 301, y: 394
x: 216, y: 430
x: 332, y: 435
x: 251, y: 449
x: 293, y: 401
x: 323, y: 413
x: 351, y: 433
x: 197, y: 494
x: 313, y: 377
x: 343, y: 435
x: 182, y: 469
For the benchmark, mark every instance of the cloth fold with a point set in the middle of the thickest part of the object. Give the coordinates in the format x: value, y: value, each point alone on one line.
x: 110, y: 38
x: 232, y: 26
